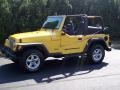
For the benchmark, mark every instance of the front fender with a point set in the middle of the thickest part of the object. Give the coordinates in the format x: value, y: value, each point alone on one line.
x: 21, y: 47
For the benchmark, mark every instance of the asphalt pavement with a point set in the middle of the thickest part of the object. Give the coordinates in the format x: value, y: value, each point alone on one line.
x: 58, y: 74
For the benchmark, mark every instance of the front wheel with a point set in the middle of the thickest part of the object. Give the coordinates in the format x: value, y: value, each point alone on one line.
x: 32, y: 61
x: 96, y: 54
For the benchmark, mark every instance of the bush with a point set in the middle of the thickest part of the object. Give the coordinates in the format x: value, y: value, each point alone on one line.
x: 28, y: 15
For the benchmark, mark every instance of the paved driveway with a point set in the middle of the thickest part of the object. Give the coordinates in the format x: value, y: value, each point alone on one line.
x: 64, y: 75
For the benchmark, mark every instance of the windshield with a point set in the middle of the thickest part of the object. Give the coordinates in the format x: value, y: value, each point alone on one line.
x: 53, y: 22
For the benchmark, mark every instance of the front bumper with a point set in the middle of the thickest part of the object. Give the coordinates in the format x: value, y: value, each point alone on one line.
x: 7, y: 52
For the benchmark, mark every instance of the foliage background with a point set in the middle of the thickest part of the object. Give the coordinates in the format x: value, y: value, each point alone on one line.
x: 28, y: 15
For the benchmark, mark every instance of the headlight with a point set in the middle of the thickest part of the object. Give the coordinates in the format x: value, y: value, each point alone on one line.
x: 12, y: 42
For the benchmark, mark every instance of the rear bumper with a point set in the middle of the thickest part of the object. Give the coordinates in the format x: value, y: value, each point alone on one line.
x: 109, y: 49
x: 7, y: 52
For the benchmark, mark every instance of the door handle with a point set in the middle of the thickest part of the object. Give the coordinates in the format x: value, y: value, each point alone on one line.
x: 79, y: 38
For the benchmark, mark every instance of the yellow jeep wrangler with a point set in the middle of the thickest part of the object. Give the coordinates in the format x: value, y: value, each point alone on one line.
x: 60, y: 36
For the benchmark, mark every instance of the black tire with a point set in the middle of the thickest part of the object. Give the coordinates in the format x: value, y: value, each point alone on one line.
x: 27, y: 55
x: 15, y: 61
x: 93, y: 58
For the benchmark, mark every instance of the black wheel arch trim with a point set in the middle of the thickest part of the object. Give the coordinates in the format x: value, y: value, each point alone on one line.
x: 39, y: 46
x: 96, y: 41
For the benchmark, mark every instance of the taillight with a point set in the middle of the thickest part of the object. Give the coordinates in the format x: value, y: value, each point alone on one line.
x: 110, y: 39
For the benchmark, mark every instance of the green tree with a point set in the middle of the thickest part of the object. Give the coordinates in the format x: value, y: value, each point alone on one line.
x: 28, y: 15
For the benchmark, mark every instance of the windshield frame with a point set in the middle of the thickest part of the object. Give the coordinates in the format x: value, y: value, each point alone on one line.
x: 59, y: 18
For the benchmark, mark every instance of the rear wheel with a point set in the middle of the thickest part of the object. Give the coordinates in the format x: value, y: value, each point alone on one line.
x: 32, y: 61
x: 96, y: 54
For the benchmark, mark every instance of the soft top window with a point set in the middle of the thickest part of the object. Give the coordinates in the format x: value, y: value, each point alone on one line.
x: 96, y: 22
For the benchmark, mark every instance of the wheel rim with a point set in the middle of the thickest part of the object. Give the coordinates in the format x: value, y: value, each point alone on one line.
x: 97, y: 55
x: 33, y: 62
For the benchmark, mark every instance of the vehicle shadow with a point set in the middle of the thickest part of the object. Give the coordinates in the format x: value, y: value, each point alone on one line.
x: 52, y: 70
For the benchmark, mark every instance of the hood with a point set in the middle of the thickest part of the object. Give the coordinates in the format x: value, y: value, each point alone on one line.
x: 31, y: 34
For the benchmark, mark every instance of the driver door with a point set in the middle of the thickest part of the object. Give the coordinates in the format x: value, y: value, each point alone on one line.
x: 70, y: 43
x: 73, y: 43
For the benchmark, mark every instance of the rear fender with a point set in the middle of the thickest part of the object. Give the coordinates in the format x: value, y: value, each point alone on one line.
x: 92, y: 42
